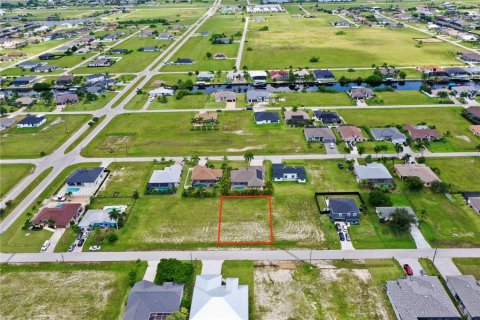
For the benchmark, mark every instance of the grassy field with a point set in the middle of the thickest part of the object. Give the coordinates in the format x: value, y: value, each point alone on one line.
x: 30, y: 50
x: 407, y: 97
x: 11, y: 174
x: 189, y: 102
x: 85, y: 105
x: 445, y: 119
x: 355, y: 73
x: 62, y: 290
x: 171, y: 134
x: 36, y: 142
x: 468, y: 266
x: 83, y: 135
x: 312, y: 99
x: 292, y: 42
x: 63, y: 62
x: 325, y: 290
x: 462, y: 173
x: 14, y: 239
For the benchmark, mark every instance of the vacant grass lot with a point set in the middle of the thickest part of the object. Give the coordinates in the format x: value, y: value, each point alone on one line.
x: 445, y: 119
x: 468, y: 266
x: 189, y: 102
x: 407, y: 97
x: 63, y: 62
x: 31, y: 50
x: 85, y: 105
x: 292, y: 42
x: 170, y: 134
x: 462, y: 173
x: 31, y: 142
x: 11, y: 174
x: 312, y: 99
x: 325, y: 290
x: 74, y: 291
x: 167, y: 13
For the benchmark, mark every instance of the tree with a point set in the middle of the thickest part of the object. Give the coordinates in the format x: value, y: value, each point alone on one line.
x: 440, y: 187
x: 115, y: 215
x: 41, y: 86
x: 377, y: 149
x: 442, y: 94
x: 135, y: 195
x: 402, y: 75
x: 179, y: 315
x: 3, y: 110
x: 414, y: 183
x: 400, y: 221
x: 378, y: 198
x: 248, y: 156
x: 361, y: 150
x: 195, y: 158
x: 208, y: 55
x: 398, y: 148
x: 169, y: 270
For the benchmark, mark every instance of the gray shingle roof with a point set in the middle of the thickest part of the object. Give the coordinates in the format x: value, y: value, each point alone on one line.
x: 253, y: 176
x: 267, y: 116
x: 468, y: 291
x: 279, y: 170
x: 393, y: 134
x: 146, y: 298
x: 420, y: 297
x: 85, y: 175
x: 342, y: 206
x: 372, y: 170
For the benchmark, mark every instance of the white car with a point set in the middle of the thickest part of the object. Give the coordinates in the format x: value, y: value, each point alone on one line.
x: 94, y: 248
x: 45, y: 246
x: 331, y: 146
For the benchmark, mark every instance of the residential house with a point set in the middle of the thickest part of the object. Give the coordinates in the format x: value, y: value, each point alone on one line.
x: 24, y: 81
x: 162, y: 91
x: 183, y: 61
x: 225, y: 96
x: 147, y: 33
x: 66, y: 99
x: 301, y: 74
x: 391, y: 134
x: 96, y: 218
x: 219, y: 56
x: 457, y: 72
x: 259, y: 77
x: 426, y: 175
x: 475, y: 129
x: 279, y: 75
x: 466, y: 290
x: 31, y: 121
x: 388, y: 72
x: 469, y: 90
x: 422, y: 132
x: 420, y: 297
x: 247, y: 178
x: 323, y: 74
x: 148, y: 301
x: 6, y: 123
x: 203, y: 177
x: 45, y: 68
x: 94, y: 78
x: 254, y: 96
x: 351, y: 134
x: 280, y: 172
x: 65, y: 80
x: 61, y: 215
x: 361, y: 93
x: 101, y: 62
x: 296, y: 117
x: 25, y: 101
x: 319, y: 134
x: 149, y: 49
x: 167, y: 178
x: 47, y: 56
x: 474, y: 113
x: 469, y: 56
x: 119, y: 51
x: 326, y: 117
x: 205, y: 76
x: 374, y: 172
x: 213, y: 300
x: 264, y: 117
x: 384, y: 213
x: 344, y: 210
x: 473, y: 200
x: 165, y: 36
x: 208, y: 116
x: 28, y: 65
x: 91, y: 177
x: 433, y: 71
x: 109, y: 38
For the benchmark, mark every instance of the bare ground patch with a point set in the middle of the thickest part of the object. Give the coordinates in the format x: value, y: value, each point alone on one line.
x: 246, y: 148
x: 116, y: 143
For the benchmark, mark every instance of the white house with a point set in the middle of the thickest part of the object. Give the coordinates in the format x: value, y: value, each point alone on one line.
x: 162, y: 91
x: 31, y: 121
x: 214, y: 301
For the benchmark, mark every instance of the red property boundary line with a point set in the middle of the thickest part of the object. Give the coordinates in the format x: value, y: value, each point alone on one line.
x: 269, y: 198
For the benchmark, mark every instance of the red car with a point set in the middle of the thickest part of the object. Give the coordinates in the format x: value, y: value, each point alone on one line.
x: 408, y: 269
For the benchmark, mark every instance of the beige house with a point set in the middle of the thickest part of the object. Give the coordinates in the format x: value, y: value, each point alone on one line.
x: 475, y: 129
x: 416, y: 170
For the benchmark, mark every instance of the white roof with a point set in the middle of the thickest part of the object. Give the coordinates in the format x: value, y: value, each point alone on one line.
x: 170, y: 174
x: 372, y: 170
x: 214, y: 301
x: 162, y: 90
x: 257, y: 74
x: 95, y: 216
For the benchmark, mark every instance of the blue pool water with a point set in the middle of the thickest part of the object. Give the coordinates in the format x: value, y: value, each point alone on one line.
x: 239, y: 188
x: 72, y: 190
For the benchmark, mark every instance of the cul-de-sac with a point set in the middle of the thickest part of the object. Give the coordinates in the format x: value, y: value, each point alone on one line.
x: 240, y: 159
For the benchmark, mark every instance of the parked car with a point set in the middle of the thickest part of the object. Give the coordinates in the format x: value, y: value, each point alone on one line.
x: 340, y: 166
x: 337, y: 225
x: 94, y: 248
x: 347, y: 236
x: 80, y: 242
x: 408, y: 269
x: 341, y: 236
x: 84, y: 235
x: 331, y: 146
x: 45, y: 246
x: 79, y: 236
x: 71, y: 248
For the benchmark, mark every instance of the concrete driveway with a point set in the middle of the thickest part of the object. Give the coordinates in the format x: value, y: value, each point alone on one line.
x: 57, y: 234
x: 420, y: 241
x: 333, y: 150
x: 413, y: 263
x: 212, y: 266
x: 446, y: 267
x: 151, y: 271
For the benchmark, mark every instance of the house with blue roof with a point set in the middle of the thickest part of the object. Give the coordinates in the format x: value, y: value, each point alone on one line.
x: 343, y: 209
x: 264, y: 117
x: 280, y: 172
x: 323, y: 74
x: 326, y: 117
x: 31, y: 121
x: 87, y: 177
x: 96, y: 219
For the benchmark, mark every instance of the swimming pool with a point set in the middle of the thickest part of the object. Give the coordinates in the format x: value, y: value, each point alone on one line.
x: 239, y: 188
x: 72, y: 190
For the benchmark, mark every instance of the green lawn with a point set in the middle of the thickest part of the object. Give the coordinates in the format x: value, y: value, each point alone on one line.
x: 31, y: 50
x: 444, y: 118
x: 411, y: 73
x: 462, y: 173
x: 292, y: 42
x: 164, y: 134
x: 14, y: 239
x: 85, y: 105
x: 406, y: 97
x: 312, y: 99
x: 468, y: 266
x: 11, y: 174
x: 54, y: 290
x: 83, y: 135
x: 37, y: 142
x: 189, y: 102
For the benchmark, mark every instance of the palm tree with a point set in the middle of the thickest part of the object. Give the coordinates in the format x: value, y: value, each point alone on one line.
x: 398, y: 148
x: 361, y: 150
x: 248, y: 157
x: 195, y: 158
x: 115, y: 215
